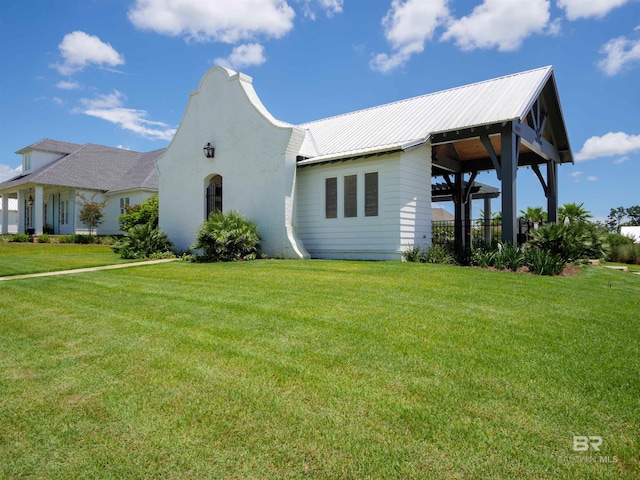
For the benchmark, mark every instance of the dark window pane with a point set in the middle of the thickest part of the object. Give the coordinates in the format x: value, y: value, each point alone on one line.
x: 351, y: 196
x: 371, y: 194
x: 331, y: 197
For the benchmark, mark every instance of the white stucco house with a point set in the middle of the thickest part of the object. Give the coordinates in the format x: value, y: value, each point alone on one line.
x: 358, y: 185
x: 54, y: 173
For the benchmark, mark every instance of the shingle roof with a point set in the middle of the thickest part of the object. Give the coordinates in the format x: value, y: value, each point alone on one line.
x: 55, y: 146
x: 96, y: 167
x: 410, y: 121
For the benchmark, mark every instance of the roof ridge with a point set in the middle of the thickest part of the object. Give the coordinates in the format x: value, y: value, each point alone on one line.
x: 397, y: 102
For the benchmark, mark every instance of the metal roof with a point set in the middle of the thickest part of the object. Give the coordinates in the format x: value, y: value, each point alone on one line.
x: 412, y: 121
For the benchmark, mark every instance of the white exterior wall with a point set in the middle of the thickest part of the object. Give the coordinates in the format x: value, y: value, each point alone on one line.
x: 39, y: 159
x: 254, y: 154
x: 404, y: 207
x: 110, y: 225
x: 415, y: 197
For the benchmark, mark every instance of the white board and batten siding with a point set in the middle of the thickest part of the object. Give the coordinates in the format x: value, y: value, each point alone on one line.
x: 404, y: 207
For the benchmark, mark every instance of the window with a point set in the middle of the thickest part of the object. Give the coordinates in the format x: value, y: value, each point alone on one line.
x: 214, y: 195
x: 371, y: 194
x: 350, y: 196
x: 331, y: 197
x: 124, y: 203
x: 27, y: 162
x: 64, y: 212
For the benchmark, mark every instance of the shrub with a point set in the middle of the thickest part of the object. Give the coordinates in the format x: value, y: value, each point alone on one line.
x: 44, y: 238
x: 142, y: 241
x: 573, y: 242
x: 615, y: 239
x: 414, y: 254
x: 503, y: 256
x: 439, y: 254
x: 543, y: 262
x: 227, y: 237
x: 161, y: 255
x: 628, y: 253
x: 146, y: 212
x: 21, y: 238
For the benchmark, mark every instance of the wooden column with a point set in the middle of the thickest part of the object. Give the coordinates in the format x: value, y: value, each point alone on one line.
x: 510, y: 149
x: 552, y: 191
x: 458, y: 195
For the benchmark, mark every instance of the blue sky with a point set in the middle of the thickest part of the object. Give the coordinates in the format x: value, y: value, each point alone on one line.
x: 119, y: 72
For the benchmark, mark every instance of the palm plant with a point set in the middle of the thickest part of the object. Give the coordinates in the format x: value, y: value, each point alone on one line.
x: 534, y: 214
x: 573, y: 213
x: 227, y: 236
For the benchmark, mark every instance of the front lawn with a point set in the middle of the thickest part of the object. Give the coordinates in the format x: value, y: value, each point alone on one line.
x: 24, y: 258
x: 319, y: 369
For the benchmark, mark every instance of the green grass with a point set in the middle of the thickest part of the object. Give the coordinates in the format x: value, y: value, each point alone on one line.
x: 319, y: 369
x: 25, y: 258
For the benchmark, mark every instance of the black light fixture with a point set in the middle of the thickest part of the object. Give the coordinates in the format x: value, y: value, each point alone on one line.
x: 209, y: 150
x: 30, y: 201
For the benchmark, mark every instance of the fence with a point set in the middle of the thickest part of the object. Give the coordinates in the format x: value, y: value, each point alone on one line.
x: 483, y: 232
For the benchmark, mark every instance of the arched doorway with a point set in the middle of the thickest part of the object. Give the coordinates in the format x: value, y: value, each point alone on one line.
x: 214, y: 195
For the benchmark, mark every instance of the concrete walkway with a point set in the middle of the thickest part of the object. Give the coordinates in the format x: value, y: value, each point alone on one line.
x: 88, y: 269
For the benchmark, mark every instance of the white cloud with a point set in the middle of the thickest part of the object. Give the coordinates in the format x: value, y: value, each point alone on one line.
x: 243, y: 56
x: 331, y: 7
x: 79, y: 49
x: 619, y: 53
x: 576, y: 174
x: 7, y: 172
x: 609, y: 145
x: 501, y: 24
x: 228, y: 21
x: 58, y: 101
x: 112, y: 100
x: 576, y: 9
x: 554, y: 28
x: 110, y: 108
x: 68, y: 84
x: 592, y: 178
x: 620, y: 160
x: 407, y: 26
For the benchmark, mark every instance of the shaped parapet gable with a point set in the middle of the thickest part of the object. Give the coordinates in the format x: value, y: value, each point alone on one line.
x: 254, y: 159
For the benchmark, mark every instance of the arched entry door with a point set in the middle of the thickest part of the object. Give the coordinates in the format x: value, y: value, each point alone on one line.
x: 214, y: 195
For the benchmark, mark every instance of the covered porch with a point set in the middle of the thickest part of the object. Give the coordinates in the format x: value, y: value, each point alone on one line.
x: 537, y: 140
x: 40, y: 208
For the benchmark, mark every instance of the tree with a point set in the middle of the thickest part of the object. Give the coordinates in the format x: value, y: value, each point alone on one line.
x: 634, y: 215
x: 534, y: 214
x: 573, y: 213
x: 90, y: 211
x: 144, y: 213
x: 615, y: 218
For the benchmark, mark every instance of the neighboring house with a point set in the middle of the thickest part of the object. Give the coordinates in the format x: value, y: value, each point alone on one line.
x: 12, y: 216
x: 357, y: 185
x: 633, y: 232
x: 54, y: 173
x: 439, y: 214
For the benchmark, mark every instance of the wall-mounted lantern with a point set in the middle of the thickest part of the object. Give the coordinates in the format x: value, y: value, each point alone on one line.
x: 209, y: 150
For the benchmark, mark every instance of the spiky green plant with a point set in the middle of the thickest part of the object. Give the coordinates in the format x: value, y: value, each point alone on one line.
x: 227, y: 237
x: 142, y: 241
